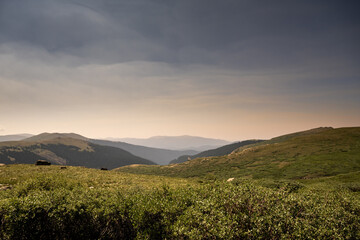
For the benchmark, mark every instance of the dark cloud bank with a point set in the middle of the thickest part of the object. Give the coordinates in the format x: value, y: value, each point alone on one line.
x: 236, y: 34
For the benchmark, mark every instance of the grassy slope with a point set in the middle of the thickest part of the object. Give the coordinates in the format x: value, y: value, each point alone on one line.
x: 17, y: 174
x: 46, y: 202
x: 311, y: 154
x: 67, y: 151
x: 221, y: 151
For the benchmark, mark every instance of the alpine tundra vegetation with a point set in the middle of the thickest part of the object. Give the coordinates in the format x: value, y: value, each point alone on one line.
x: 53, y: 202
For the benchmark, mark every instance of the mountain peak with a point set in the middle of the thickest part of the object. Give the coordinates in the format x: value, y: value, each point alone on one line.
x: 51, y: 136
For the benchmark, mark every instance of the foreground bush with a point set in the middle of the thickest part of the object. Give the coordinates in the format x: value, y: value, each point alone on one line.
x: 48, y: 209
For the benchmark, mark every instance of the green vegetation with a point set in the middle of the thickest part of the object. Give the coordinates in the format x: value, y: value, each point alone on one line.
x: 299, y: 186
x: 312, y: 154
x: 221, y: 151
x: 46, y: 202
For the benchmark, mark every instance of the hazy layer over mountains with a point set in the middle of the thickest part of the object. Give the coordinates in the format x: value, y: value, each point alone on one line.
x: 157, y: 155
x: 14, y: 137
x: 176, y: 142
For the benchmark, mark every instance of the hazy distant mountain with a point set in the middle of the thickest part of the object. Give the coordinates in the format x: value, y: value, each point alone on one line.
x: 60, y: 149
x: 221, y: 151
x: 14, y: 137
x: 177, y: 142
x: 157, y: 155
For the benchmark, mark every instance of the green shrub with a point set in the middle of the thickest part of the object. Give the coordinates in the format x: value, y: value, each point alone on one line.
x: 56, y: 206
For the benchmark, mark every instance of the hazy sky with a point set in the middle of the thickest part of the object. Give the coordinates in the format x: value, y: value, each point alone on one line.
x: 227, y: 69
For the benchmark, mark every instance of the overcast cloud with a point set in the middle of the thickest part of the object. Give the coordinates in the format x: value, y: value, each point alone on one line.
x: 179, y: 58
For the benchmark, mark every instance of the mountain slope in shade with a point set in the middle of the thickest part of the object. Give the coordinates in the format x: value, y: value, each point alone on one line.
x: 157, y: 155
x: 177, y: 142
x: 310, y: 154
x: 14, y: 137
x: 221, y: 151
x: 62, y: 150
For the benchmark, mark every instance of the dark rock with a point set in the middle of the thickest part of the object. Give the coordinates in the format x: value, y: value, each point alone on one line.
x: 42, y: 162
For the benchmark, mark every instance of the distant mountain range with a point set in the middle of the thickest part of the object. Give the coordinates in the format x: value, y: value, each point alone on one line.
x: 157, y: 155
x: 66, y: 149
x: 14, y: 137
x: 316, y: 153
x: 160, y: 150
x: 176, y: 142
x: 221, y: 151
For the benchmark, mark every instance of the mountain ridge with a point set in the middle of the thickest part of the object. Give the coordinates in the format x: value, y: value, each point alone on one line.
x: 62, y: 150
x: 49, y: 136
x: 157, y: 155
x: 177, y: 142
x: 227, y: 149
x: 304, y: 155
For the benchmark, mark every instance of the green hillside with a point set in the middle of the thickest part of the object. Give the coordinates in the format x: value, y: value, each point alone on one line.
x: 59, y: 149
x: 311, y: 154
x: 299, y: 186
x: 221, y: 151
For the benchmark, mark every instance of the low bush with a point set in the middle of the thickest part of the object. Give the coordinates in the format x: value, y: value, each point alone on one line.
x: 37, y: 209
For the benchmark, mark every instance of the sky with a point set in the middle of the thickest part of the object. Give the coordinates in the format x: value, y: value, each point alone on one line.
x: 227, y: 69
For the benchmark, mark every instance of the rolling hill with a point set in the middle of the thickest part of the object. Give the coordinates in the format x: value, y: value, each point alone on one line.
x: 221, y: 151
x: 316, y: 153
x: 52, y: 136
x: 158, y: 156
x: 60, y: 149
